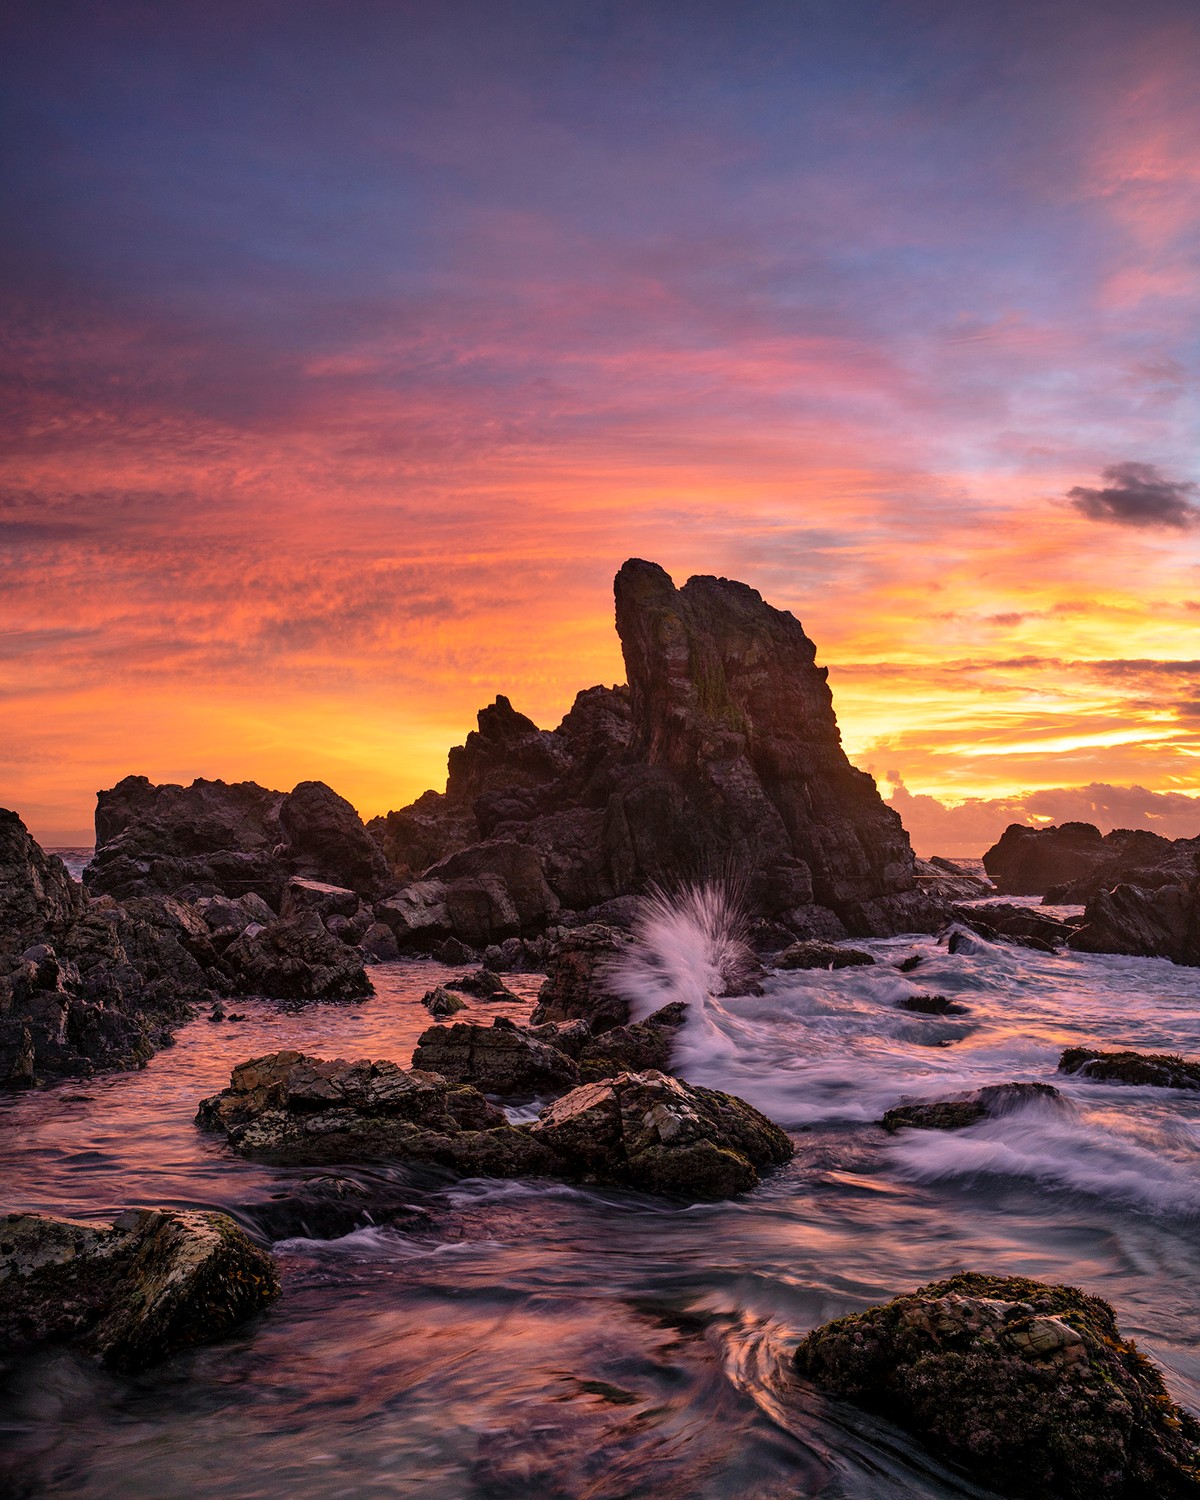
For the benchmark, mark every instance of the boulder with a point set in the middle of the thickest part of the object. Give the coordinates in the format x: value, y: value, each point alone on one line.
x: 578, y: 986
x: 295, y: 959
x: 943, y: 878
x: 417, y: 916
x: 300, y: 895
x: 1029, y: 1388
x: 656, y: 1134
x: 1029, y: 928
x: 965, y: 1109
x: 1145, y: 923
x: 499, y: 1059
x: 1157, y: 1069
x: 132, y: 1292
x: 327, y: 842
x: 636, y: 1048
x: 379, y: 944
x: 228, y: 917
x: 483, y: 985
x: 441, y: 1002
x: 817, y: 955
x: 293, y: 1109
x: 494, y: 890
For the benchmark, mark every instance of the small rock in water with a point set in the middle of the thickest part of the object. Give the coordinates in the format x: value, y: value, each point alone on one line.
x: 217, y: 1013
x: 498, y: 1059
x: 817, y: 955
x: 931, y: 1005
x: 483, y: 984
x: 907, y: 965
x: 441, y: 1003
x: 1158, y: 1069
x: 1028, y: 1387
x: 966, y: 1109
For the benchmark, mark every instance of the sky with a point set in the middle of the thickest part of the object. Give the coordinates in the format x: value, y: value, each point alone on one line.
x: 349, y: 348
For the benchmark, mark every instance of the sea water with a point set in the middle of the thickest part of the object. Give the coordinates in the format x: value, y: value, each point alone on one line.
x: 530, y: 1339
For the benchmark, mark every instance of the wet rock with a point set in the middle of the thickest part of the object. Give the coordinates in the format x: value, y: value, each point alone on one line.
x: 441, y: 1002
x: 654, y: 1133
x: 816, y: 955
x: 1030, y: 928
x: 295, y: 959
x: 1028, y: 1387
x: 294, y: 1109
x: 482, y: 985
x: 1145, y: 923
x: 965, y: 1109
x: 931, y: 1005
x: 497, y: 1059
x: 950, y: 882
x: 637, y: 1048
x: 153, y: 1282
x: 974, y: 942
x: 913, y: 961
x: 579, y: 986
x: 1157, y: 1069
x: 328, y: 1207
x: 227, y: 917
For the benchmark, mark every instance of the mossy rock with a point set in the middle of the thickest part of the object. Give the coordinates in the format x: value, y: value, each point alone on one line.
x: 1030, y: 1388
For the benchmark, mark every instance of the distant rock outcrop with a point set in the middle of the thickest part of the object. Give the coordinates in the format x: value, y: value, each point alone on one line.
x: 1070, y: 864
x: 1156, y: 922
x: 721, y: 758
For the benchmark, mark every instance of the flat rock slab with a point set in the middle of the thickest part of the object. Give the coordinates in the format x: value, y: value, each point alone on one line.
x: 134, y: 1291
x: 1028, y: 1387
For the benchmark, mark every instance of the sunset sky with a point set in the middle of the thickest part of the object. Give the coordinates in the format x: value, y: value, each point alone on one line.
x: 349, y: 349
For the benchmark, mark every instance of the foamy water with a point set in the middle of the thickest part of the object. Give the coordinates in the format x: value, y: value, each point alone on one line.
x: 536, y: 1339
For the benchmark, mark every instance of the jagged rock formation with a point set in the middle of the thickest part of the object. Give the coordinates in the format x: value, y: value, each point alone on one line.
x: 1162, y: 922
x: 1029, y: 1387
x: 87, y: 985
x: 1070, y: 864
x: 722, y: 757
x: 212, y: 839
x: 134, y: 1291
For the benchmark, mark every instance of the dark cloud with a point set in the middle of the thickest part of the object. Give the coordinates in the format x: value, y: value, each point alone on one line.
x: 1138, y: 495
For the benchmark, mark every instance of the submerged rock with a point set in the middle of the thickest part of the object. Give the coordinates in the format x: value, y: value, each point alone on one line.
x: 499, y: 1059
x: 817, y: 955
x: 931, y: 1005
x: 1028, y: 1387
x: 1158, y: 1069
x: 652, y: 1132
x: 153, y: 1282
x: 965, y: 1109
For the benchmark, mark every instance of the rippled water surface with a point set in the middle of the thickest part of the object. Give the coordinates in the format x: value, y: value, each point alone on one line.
x: 523, y: 1339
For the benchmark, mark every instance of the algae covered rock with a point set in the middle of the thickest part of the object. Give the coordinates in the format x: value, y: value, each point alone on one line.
x: 134, y: 1291
x: 965, y: 1109
x: 579, y: 985
x: 635, y: 1048
x: 440, y: 1002
x: 814, y: 954
x: 648, y: 1131
x: 1029, y: 1387
x: 1158, y: 1069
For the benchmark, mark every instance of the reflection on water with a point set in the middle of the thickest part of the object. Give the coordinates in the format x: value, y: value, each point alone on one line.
x: 520, y: 1339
